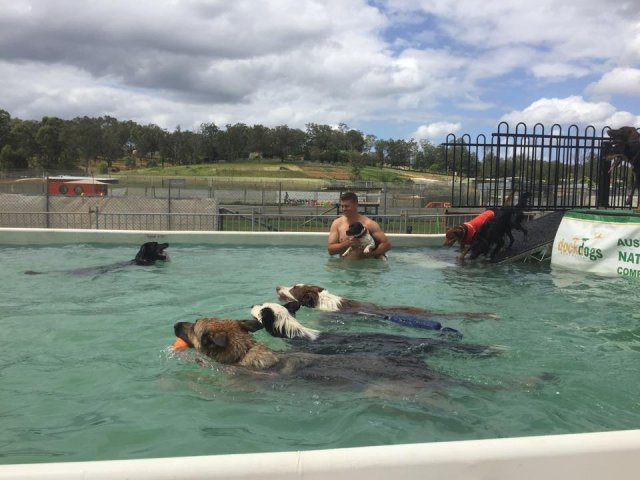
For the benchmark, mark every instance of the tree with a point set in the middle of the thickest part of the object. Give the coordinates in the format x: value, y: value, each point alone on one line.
x: 355, y: 141
x: 237, y: 141
x: 114, y: 136
x: 86, y: 135
x: 259, y: 140
x: 148, y: 139
x: 210, y: 142
x: 23, y: 140
x: 287, y: 141
x: 381, y: 148
x: 432, y: 158
x: 321, y: 136
x: 356, y: 164
x: 50, y: 144
x: 370, y: 143
x: 5, y: 127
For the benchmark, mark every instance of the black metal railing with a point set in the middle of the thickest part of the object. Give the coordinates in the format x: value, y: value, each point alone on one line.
x: 560, y: 168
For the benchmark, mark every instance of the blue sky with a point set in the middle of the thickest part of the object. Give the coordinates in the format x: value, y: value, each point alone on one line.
x: 391, y: 68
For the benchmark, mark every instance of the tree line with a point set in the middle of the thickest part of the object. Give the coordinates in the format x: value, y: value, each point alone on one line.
x: 56, y: 144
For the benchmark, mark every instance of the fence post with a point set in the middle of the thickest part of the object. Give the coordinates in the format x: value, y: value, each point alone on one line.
x: 384, y: 210
x: 46, y: 202
x: 220, y: 222
x: 280, y: 198
x: 604, y: 177
x: 169, y: 207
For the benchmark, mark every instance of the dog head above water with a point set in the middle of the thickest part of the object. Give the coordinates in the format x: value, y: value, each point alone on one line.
x: 453, y: 235
x: 226, y: 341
x: 150, y: 252
x: 357, y: 230
x: 279, y: 321
x: 311, y: 296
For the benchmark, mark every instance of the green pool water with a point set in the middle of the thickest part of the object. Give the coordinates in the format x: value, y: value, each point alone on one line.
x: 86, y: 373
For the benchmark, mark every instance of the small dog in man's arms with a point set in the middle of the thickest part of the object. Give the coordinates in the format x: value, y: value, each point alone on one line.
x: 358, y: 231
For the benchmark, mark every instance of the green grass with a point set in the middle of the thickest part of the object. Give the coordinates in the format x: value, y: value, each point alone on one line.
x: 275, y: 170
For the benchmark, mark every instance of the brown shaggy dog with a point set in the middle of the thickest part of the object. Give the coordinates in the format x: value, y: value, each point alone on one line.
x: 230, y: 342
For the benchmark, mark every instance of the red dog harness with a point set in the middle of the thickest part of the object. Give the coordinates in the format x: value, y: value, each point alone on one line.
x: 474, y: 225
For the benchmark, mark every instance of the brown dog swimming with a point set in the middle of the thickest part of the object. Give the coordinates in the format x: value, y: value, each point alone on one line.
x: 465, y: 233
x: 230, y: 342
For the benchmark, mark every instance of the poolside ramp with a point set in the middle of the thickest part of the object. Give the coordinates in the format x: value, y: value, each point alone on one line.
x: 542, y: 231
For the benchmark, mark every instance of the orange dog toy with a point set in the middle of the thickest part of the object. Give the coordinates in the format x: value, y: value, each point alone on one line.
x: 179, y: 344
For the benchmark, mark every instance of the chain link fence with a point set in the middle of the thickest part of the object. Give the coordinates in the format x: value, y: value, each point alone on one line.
x: 201, y: 204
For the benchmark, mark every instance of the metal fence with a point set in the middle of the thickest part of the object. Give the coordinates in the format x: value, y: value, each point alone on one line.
x: 285, y: 197
x: 432, y: 223
x: 406, y: 223
x: 55, y: 211
x: 560, y: 168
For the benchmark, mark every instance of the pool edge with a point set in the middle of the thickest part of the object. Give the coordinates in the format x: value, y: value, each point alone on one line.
x: 57, y: 236
x: 572, y: 456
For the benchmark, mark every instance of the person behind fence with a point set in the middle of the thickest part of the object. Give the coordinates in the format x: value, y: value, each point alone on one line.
x: 349, y: 245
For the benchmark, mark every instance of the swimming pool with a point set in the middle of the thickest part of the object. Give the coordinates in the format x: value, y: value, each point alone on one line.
x: 87, y: 375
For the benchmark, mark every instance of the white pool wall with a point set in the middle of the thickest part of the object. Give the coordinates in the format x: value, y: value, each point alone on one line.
x: 55, y: 236
x: 612, y: 455
x: 604, y: 455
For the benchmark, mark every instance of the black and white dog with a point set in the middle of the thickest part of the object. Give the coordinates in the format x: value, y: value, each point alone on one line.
x: 279, y: 321
x: 313, y: 296
x: 361, y: 233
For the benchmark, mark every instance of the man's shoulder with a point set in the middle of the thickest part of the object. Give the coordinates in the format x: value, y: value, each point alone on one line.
x: 368, y: 222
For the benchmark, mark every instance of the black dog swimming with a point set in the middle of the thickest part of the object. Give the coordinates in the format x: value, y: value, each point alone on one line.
x: 148, y: 254
x: 490, y: 237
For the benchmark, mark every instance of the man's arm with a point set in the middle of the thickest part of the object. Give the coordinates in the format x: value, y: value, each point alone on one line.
x: 334, y: 245
x: 382, y: 242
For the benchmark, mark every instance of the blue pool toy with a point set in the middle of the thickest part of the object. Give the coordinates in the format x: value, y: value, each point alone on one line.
x: 415, y: 321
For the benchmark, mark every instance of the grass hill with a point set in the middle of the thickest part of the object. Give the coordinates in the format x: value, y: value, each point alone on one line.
x: 278, y: 171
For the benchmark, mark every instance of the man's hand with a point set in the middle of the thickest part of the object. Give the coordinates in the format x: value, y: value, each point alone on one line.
x: 352, y: 242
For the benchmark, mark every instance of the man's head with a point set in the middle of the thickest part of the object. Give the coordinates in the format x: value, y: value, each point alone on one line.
x: 349, y: 204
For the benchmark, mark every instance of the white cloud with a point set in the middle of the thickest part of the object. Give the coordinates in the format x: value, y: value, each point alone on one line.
x: 558, y: 70
x: 571, y: 110
x: 619, y: 81
x: 388, y: 62
x: 435, y: 132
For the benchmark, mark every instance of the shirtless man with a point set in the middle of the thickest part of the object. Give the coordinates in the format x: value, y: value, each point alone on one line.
x: 339, y: 242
